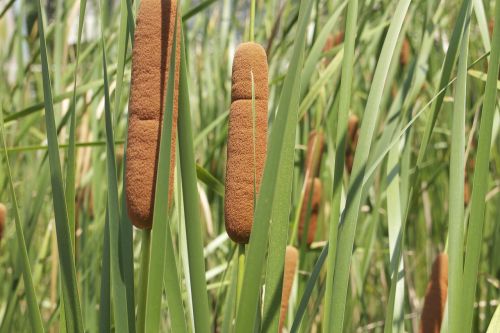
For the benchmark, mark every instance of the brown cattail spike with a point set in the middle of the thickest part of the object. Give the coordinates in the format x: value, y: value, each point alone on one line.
x: 153, y: 42
x: 435, y: 296
x: 314, y: 199
x: 315, y: 148
x: 404, y: 57
x: 3, y: 218
x: 244, y: 169
x: 291, y: 260
x: 352, y: 141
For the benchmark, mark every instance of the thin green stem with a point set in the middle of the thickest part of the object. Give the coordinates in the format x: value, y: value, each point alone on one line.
x: 252, y: 21
x: 143, y: 281
x: 241, y: 271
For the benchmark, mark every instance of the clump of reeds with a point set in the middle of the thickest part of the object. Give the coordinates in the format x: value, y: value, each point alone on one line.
x: 311, y: 204
x: 246, y: 154
x: 291, y: 261
x: 3, y: 217
x: 153, y: 43
x: 352, y: 141
x: 435, y: 296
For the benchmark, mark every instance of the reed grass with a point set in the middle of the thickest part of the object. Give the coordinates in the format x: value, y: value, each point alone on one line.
x: 389, y: 107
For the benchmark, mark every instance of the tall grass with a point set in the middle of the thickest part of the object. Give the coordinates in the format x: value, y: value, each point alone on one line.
x: 71, y: 261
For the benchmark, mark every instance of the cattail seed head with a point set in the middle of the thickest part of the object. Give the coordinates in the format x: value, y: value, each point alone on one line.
x: 435, y: 296
x: 352, y: 141
x: 244, y: 169
x: 291, y: 261
x: 314, y: 154
x: 404, y: 57
x: 153, y: 42
x: 314, y: 199
x: 3, y: 218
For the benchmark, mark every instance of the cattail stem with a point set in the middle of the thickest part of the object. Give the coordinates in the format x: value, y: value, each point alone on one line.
x: 143, y: 280
x: 252, y: 21
x: 241, y: 271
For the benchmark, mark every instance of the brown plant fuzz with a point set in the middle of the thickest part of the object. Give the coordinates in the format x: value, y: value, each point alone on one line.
x: 3, y: 218
x: 404, y: 57
x: 153, y: 42
x: 315, y: 201
x: 435, y: 296
x: 244, y: 169
x: 352, y: 141
x: 291, y: 260
x: 314, y: 153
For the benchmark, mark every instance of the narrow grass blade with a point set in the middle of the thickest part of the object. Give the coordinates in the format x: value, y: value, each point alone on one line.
x: 105, y: 299
x: 71, y: 298
x: 394, y: 320
x: 71, y: 163
x: 33, y: 310
x: 123, y: 321
x: 190, y: 195
x: 480, y: 183
x: 456, y: 210
x: 340, y: 145
x: 162, y: 249
x: 349, y: 217
x: 448, y: 64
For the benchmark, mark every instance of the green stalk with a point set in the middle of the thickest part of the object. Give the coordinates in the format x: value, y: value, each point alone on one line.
x: 70, y: 295
x: 480, y: 182
x: 190, y: 193
x: 241, y: 271
x: 161, y: 237
x: 33, y: 310
x: 456, y: 210
x: 347, y: 229
x: 252, y: 21
x: 143, y: 281
x: 340, y: 144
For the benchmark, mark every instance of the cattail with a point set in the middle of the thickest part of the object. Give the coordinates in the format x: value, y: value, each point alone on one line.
x: 315, y: 148
x: 244, y: 168
x: 153, y: 42
x: 331, y: 42
x: 3, y: 217
x: 404, y: 57
x: 314, y: 199
x: 291, y: 260
x: 352, y: 141
x: 435, y: 296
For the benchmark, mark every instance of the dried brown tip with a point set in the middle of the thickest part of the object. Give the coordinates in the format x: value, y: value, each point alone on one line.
x: 3, y: 218
x: 291, y: 260
x: 315, y: 149
x: 243, y: 169
x: 404, y: 57
x: 315, y: 200
x: 435, y: 296
x: 153, y: 42
x: 352, y: 141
